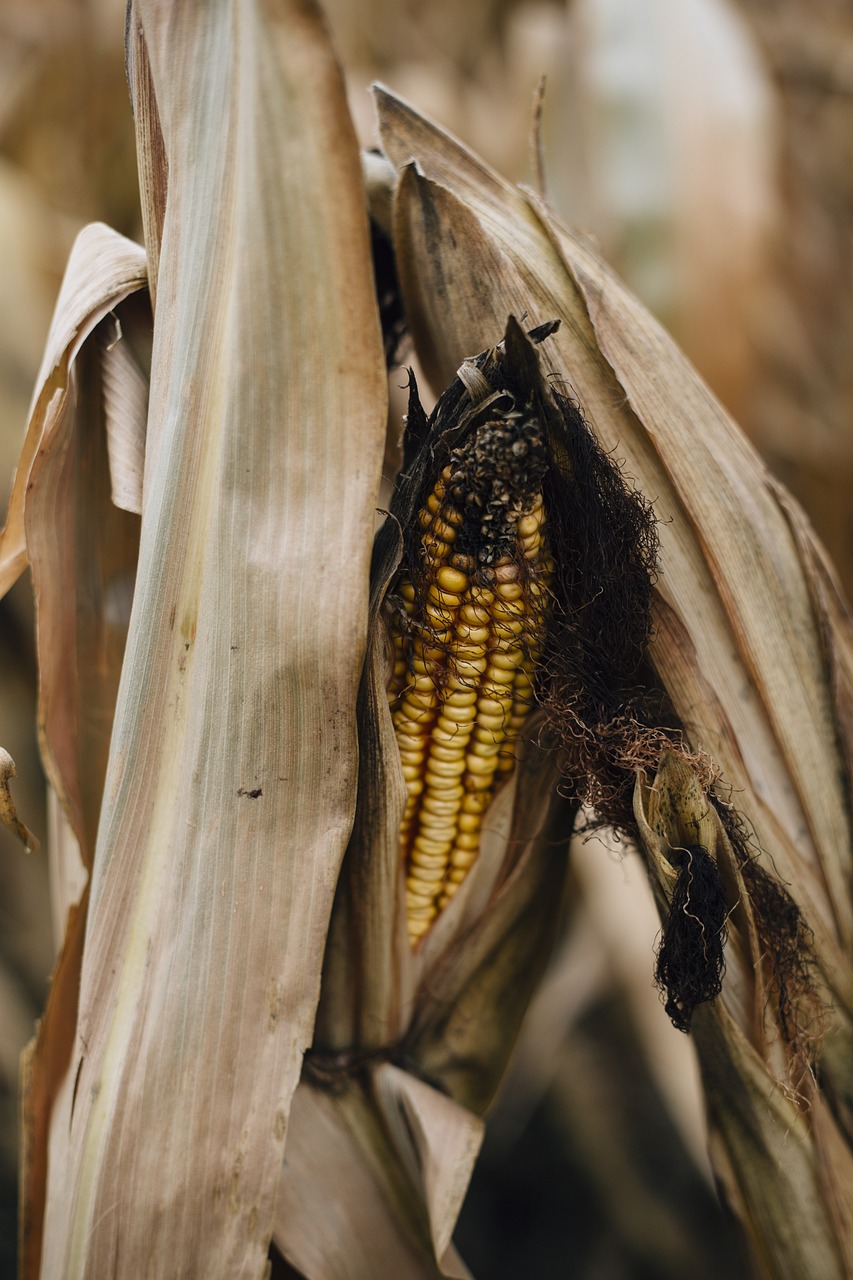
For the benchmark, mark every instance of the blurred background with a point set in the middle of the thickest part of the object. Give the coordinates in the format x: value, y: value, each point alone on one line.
x: 708, y: 146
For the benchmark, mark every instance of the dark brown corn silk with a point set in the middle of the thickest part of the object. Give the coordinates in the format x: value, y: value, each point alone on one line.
x: 689, y: 967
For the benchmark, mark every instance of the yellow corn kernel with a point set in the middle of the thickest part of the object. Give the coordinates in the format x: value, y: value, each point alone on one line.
x: 455, y: 715
x: 443, y: 529
x: 475, y: 614
x: 475, y: 804
x: 448, y: 785
x: 451, y: 580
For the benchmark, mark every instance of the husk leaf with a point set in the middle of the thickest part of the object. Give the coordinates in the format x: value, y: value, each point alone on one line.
x: 804, y: 828
x: 231, y: 784
x: 791, y: 1194
x: 374, y: 1177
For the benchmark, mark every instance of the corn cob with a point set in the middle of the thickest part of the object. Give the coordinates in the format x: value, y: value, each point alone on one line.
x: 469, y: 631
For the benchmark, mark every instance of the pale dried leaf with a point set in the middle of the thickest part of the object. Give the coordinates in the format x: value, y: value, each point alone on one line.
x: 768, y: 1161
x: 348, y: 1208
x: 833, y: 614
x: 151, y: 157
x: 231, y: 786
x: 443, y: 1140
x: 103, y: 269
x: 68, y: 874
x: 126, y: 412
x: 83, y: 555
x: 83, y: 551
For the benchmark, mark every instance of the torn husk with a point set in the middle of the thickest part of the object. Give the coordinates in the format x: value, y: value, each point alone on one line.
x: 749, y: 651
x: 682, y: 840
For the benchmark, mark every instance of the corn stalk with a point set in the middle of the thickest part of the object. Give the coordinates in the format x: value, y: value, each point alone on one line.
x: 247, y: 1040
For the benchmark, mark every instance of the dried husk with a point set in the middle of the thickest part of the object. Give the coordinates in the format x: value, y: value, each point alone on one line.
x: 156, y: 1114
x: 375, y: 1174
x: 751, y: 645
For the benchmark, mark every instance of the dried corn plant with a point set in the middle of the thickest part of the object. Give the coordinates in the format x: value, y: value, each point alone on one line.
x: 323, y: 801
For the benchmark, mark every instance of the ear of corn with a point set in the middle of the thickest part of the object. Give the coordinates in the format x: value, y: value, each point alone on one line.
x: 750, y: 650
x: 470, y: 620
